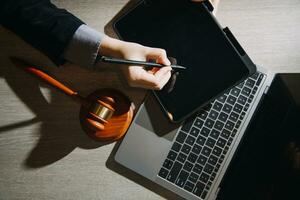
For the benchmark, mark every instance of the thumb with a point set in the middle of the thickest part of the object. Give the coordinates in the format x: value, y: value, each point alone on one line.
x: 159, y: 55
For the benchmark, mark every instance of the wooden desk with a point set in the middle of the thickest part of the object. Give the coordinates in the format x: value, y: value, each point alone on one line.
x: 44, y: 154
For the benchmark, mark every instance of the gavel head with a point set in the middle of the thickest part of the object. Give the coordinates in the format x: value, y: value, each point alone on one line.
x: 100, y: 112
x: 106, y: 114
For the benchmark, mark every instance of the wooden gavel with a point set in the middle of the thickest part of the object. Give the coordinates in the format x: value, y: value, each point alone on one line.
x: 105, y: 114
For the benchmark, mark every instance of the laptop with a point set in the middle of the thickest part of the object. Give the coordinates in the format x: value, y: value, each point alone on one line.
x: 195, y: 159
x: 191, y: 160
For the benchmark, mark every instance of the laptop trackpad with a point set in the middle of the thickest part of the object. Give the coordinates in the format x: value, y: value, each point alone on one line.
x: 148, y: 140
x: 152, y: 118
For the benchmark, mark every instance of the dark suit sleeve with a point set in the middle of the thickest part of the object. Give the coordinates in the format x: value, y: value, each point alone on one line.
x: 41, y: 24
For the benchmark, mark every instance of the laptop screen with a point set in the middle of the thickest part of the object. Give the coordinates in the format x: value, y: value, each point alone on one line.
x: 267, y: 163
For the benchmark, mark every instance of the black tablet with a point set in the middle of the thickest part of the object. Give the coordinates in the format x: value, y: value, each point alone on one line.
x: 189, y: 32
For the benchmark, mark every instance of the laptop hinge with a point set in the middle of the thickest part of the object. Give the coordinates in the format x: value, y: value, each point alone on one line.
x: 266, y: 90
x: 208, y: 5
x: 234, y: 41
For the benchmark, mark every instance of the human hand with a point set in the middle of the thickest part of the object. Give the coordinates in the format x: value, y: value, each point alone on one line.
x: 137, y: 76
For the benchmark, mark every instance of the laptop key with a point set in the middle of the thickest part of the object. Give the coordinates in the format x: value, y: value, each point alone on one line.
x: 210, y: 142
x: 209, y: 123
x: 181, y: 157
x: 199, y: 187
x: 223, y: 117
x: 200, y: 140
x: 204, y: 131
x: 255, y: 75
x: 222, y: 99
x: 212, y: 160
x: 209, y: 183
x: 203, y: 114
x: 197, y: 169
x: 208, y: 168
x: 250, y: 99
x: 172, y: 155
x: 181, y: 137
x: 237, y: 108
x: 190, y: 140
x: 213, y: 176
x: 235, y: 92
x: 254, y: 90
x: 206, y: 151
x: 229, y: 141
x: 204, y: 193
x: 163, y: 173
x: 195, y: 132
x: 188, y: 166
x: 221, y: 142
x: 242, y: 100
x: 231, y: 99
x: 174, y: 172
x: 196, y: 149
x: 182, y: 178
x: 229, y: 125
x: 168, y: 164
x: 250, y: 83
x: 246, y: 91
x: 204, y: 178
x: 227, y: 108
x: 218, y: 106
x: 214, y: 134
x: 176, y: 146
x: 189, y: 186
x: 193, y: 177
x: 199, y: 123
x: 217, y: 167
x: 213, y: 114
x: 219, y: 125
x: 260, y: 78
x: 226, y: 149
x: 234, y: 132
x: 242, y: 115
x: 246, y: 107
x: 202, y: 160
x: 192, y: 157
x: 221, y: 159
x: 186, y: 149
x: 233, y: 116
x: 217, y: 151
x: 238, y: 123
x: 225, y: 133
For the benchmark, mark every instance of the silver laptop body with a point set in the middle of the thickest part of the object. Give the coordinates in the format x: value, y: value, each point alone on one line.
x: 151, y: 137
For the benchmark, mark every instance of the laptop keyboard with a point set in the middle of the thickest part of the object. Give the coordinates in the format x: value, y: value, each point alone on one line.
x: 202, y: 143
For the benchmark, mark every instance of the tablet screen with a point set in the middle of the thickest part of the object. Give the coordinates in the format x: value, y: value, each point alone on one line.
x: 189, y: 33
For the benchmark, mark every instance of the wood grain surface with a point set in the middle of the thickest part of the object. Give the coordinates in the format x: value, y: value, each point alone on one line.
x: 44, y: 154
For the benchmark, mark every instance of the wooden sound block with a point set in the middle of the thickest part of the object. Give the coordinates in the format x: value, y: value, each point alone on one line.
x: 115, y: 127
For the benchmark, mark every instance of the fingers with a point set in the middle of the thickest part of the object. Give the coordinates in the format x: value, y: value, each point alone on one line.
x: 156, y: 78
x: 159, y: 55
x: 138, y: 77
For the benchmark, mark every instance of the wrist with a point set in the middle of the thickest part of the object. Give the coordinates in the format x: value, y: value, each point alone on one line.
x: 110, y: 47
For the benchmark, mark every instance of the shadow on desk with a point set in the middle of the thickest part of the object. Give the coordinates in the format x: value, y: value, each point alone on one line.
x: 57, y: 120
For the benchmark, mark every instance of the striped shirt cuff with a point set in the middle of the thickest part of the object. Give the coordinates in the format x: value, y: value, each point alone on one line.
x: 84, y: 46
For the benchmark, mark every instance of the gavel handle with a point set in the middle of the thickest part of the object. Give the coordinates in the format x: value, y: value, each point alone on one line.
x: 48, y: 79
